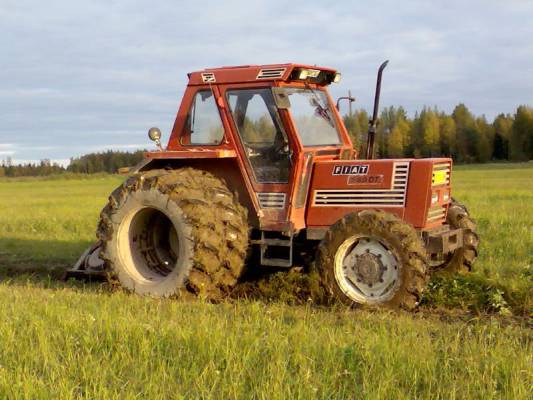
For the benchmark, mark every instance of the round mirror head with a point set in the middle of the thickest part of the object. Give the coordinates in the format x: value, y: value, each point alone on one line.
x: 154, y: 134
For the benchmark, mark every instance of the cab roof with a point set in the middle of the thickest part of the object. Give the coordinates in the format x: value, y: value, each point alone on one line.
x: 257, y: 73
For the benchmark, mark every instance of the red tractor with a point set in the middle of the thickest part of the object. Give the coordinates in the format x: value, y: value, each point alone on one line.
x: 259, y: 161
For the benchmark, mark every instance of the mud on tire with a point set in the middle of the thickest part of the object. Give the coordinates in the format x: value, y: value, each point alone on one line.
x: 176, y: 232
x: 462, y: 260
x: 399, y: 239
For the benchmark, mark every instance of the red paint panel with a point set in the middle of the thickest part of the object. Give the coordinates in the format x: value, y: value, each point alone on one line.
x: 247, y: 73
x: 333, y: 197
x: 348, y: 182
x: 419, y: 192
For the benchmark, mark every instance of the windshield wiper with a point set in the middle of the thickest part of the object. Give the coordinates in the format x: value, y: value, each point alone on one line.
x: 320, y: 110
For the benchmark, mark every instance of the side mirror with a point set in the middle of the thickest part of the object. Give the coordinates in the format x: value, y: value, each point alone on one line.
x: 155, y: 135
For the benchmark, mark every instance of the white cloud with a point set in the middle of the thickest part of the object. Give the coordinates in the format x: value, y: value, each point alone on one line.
x: 79, y: 74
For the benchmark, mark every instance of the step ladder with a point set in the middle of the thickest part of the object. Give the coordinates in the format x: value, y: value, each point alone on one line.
x: 275, y: 251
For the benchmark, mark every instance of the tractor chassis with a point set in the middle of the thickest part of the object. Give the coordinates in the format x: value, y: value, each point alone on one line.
x: 442, y: 240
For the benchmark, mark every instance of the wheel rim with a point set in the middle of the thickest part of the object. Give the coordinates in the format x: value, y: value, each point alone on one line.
x: 149, y: 245
x: 366, y: 270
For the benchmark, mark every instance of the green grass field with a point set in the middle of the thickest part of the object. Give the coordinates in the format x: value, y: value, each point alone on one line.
x: 472, y: 337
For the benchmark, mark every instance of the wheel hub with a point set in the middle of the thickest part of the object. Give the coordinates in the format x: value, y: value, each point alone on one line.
x: 369, y: 269
x: 366, y: 270
x: 154, y: 243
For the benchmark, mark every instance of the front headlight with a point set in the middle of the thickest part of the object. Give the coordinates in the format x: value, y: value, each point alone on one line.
x: 434, y: 198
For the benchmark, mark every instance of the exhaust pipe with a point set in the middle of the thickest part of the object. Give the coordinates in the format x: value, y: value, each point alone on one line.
x: 373, y: 123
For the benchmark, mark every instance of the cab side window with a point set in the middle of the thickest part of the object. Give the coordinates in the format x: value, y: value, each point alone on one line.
x: 203, y: 125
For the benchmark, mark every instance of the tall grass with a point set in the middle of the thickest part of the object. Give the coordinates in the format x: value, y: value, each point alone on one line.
x: 71, y: 340
x: 85, y: 343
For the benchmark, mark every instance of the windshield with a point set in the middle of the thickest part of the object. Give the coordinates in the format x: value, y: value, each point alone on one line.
x: 313, y: 117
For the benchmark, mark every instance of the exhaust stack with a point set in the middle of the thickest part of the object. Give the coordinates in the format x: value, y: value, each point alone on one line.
x: 373, y: 123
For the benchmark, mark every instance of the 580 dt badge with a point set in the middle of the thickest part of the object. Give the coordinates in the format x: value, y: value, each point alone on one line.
x: 359, y: 169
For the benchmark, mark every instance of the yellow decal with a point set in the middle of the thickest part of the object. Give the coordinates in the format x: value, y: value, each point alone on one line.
x: 440, y: 177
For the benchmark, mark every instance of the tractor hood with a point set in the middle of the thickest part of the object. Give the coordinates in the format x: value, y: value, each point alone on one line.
x: 339, y: 187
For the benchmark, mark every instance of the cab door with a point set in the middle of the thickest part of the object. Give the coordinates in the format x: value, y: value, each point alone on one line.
x: 266, y: 147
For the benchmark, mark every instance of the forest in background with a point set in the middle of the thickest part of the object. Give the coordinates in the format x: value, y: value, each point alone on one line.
x: 109, y: 161
x: 460, y: 135
x: 430, y: 133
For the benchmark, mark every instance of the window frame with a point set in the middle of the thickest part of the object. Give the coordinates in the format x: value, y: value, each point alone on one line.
x: 192, y: 103
x: 276, y: 120
x: 334, y: 119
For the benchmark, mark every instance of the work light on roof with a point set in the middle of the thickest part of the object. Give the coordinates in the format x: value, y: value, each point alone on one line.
x: 308, y: 73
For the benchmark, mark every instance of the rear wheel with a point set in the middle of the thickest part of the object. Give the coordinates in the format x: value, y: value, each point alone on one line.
x: 462, y: 260
x: 373, y: 258
x: 174, y: 232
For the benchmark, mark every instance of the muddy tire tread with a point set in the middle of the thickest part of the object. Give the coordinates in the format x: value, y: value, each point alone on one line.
x: 395, y: 231
x: 219, y: 225
x: 463, y: 259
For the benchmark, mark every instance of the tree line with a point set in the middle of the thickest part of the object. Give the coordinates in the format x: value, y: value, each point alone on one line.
x: 460, y: 135
x: 108, y: 161
x: 430, y: 133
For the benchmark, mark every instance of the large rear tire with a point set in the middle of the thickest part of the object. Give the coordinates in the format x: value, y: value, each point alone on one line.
x: 373, y: 258
x: 462, y: 260
x: 177, y: 232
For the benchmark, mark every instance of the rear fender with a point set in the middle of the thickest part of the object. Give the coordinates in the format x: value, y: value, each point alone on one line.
x: 224, y: 168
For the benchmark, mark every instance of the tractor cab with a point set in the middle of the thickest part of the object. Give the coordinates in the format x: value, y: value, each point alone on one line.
x: 274, y: 121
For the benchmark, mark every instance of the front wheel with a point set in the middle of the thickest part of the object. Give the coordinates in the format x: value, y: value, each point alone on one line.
x: 373, y: 258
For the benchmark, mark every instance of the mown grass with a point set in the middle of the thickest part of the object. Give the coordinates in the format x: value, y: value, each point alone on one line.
x: 49, y: 222
x: 75, y: 340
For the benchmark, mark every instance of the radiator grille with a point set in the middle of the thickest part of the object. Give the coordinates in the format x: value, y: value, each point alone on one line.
x: 271, y: 200
x: 394, y: 197
x: 269, y: 73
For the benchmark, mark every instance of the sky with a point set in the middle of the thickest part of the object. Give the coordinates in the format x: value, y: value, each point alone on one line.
x: 85, y: 76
